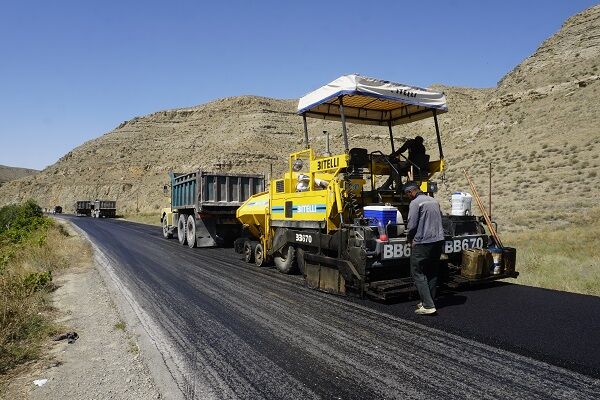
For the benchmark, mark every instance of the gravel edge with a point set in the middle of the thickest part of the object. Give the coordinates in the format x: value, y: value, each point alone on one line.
x: 155, y: 352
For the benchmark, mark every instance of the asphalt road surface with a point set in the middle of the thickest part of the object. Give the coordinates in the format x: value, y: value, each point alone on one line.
x: 238, y: 331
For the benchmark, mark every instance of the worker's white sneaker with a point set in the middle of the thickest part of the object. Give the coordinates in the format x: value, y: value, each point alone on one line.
x: 425, y: 311
x: 419, y: 305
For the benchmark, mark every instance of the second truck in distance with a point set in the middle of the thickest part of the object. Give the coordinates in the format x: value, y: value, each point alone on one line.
x: 96, y: 208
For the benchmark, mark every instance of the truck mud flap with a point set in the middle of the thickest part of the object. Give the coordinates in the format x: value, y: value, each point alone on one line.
x: 206, y: 232
x: 216, y: 231
x: 329, y: 274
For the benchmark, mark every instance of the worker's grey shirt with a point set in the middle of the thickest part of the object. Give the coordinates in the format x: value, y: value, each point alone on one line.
x: 425, y: 220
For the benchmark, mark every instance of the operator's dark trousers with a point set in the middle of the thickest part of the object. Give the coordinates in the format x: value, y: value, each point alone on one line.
x: 396, y: 176
x: 424, y: 266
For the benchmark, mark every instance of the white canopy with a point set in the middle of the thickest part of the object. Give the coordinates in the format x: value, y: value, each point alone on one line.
x: 372, y: 101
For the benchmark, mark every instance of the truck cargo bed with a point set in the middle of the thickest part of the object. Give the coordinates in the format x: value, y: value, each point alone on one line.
x: 211, y: 191
x: 203, y: 206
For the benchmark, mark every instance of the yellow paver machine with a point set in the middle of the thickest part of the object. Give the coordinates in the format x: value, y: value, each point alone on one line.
x: 335, y: 220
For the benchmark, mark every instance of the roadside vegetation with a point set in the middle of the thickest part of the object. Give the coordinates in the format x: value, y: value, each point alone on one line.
x: 562, y: 259
x: 32, y: 249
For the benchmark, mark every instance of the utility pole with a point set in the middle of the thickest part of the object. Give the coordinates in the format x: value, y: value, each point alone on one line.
x: 490, y: 193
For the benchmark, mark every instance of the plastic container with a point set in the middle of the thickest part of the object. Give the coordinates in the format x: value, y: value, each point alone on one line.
x: 472, y: 263
x: 461, y: 203
x: 475, y: 263
x: 400, y: 224
x: 381, y: 215
x: 509, y: 258
x: 497, y: 256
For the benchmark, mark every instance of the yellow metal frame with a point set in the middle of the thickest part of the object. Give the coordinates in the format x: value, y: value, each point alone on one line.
x: 316, y: 204
x: 324, y: 206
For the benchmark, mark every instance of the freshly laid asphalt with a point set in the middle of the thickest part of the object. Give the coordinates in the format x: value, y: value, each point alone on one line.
x: 238, y: 331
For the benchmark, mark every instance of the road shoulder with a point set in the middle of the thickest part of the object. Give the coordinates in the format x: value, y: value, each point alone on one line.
x: 104, y: 362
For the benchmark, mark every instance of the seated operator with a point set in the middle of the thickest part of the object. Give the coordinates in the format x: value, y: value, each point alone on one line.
x: 416, y: 157
x: 303, y: 183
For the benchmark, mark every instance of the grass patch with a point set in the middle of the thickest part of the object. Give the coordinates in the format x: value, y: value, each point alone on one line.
x: 562, y: 259
x: 120, y: 326
x: 148, y: 219
x: 132, y: 347
x: 32, y: 249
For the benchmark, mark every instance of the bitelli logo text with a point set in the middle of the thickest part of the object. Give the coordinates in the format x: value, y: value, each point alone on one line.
x: 328, y: 163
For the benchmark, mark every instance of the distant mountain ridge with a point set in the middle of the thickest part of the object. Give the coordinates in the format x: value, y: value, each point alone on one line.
x: 11, y: 173
x: 538, y: 128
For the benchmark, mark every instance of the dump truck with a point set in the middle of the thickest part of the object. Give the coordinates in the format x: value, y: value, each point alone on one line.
x: 331, y: 218
x: 203, y: 206
x: 83, y: 208
x: 103, y: 209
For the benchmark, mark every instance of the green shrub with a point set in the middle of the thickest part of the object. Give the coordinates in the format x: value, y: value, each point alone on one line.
x: 36, y: 281
x: 17, y: 222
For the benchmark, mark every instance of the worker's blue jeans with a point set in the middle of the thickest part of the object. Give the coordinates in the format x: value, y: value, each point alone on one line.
x: 424, y: 267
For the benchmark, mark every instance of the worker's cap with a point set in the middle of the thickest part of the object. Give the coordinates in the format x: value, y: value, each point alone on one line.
x: 408, y: 186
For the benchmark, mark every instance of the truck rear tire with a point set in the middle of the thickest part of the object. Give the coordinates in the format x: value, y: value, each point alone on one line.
x: 259, y: 255
x: 248, y: 251
x: 181, y: 234
x: 285, y: 259
x: 165, y: 227
x: 191, y: 231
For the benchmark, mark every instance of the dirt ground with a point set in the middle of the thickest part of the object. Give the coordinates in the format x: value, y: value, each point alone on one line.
x: 104, y: 363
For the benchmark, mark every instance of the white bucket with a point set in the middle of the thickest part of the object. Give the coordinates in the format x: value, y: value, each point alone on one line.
x: 461, y: 203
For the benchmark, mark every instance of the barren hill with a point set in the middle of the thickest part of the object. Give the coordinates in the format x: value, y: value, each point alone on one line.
x: 11, y: 173
x: 539, y: 129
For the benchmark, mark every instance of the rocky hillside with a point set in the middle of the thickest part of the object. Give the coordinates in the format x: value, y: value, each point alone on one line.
x: 11, y: 173
x: 538, y: 128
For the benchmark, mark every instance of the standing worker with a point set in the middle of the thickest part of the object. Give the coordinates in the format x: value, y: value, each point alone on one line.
x: 426, y: 238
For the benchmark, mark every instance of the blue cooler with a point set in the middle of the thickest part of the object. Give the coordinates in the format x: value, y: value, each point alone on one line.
x: 381, y: 214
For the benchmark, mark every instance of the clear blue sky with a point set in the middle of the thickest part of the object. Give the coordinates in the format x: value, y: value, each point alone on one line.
x: 71, y: 71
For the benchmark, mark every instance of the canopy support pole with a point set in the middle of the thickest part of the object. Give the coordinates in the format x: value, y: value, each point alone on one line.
x: 391, y: 135
x: 437, y: 132
x: 306, y: 145
x: 345, y: 131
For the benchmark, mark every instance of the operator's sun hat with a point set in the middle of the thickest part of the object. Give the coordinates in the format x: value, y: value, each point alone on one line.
x: 408, y: 186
